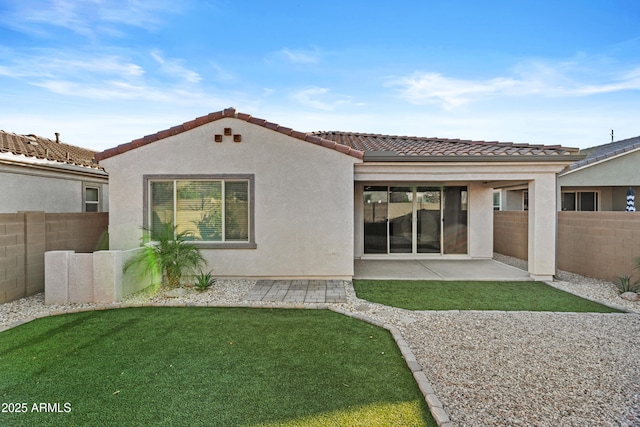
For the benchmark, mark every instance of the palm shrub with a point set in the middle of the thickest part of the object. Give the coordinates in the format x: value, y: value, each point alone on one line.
x: 168, y: 253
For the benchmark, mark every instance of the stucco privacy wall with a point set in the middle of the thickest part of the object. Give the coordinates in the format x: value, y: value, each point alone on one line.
x: 24, y: 238
x: 303, y: 197
x: 90, y: 278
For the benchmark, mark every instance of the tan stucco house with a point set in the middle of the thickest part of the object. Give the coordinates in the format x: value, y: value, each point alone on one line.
x: 600, y: 181
x: 263, y: 200
x: 41, y: 174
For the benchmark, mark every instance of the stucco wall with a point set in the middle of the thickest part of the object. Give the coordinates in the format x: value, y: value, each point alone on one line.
x: 618, y: 171
x: 25, y: 189
x: 303, y: 197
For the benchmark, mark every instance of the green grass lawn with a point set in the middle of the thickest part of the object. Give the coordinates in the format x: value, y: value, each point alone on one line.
x: 207, y: 367
x: 465, y: 295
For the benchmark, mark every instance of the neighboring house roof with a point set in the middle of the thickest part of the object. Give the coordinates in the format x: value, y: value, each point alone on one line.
x: 410, y: 147
x: 377, y: 147
x: 227, y: 113
x: 606, y: 151
x: 36, y: 150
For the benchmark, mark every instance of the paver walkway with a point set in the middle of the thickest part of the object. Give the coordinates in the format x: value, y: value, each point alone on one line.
x: 298, y: 291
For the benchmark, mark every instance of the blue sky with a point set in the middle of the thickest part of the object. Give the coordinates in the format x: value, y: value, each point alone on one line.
x: 103, y: 73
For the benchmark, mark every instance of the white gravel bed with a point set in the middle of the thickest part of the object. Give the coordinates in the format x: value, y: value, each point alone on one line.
x: 490, y: 368
x: 531, y: 369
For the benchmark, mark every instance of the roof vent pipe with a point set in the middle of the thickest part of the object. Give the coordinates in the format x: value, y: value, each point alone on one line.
x: 58, y: 137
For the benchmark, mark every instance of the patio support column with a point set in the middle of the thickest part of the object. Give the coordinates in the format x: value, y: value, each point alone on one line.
x: 542, y: 227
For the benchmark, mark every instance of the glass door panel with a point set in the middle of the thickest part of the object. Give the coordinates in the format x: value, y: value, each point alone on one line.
x: 455, y: 220
x: 428, y: 220
x: 400, y: 220
x: 375, y: 220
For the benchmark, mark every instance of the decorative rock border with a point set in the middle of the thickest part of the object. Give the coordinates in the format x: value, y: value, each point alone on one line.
x: 436, y: 407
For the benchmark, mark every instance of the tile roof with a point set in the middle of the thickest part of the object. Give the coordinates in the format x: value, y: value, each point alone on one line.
x: 356, y: 144
x: 606, y: 151
x: 408, y: 146
x: 37, y: 147
x: 228, y: 113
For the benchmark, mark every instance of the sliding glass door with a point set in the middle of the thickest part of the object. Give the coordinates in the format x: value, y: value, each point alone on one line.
x: 455, y: 220
x: 375, y: 220
x: 415, y: 220
x: 400, y: 220
x: 428, y: 219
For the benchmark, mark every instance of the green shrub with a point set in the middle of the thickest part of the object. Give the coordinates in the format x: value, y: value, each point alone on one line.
x: 203, y: 281
x: 624, y: 284
x: 168, y: 253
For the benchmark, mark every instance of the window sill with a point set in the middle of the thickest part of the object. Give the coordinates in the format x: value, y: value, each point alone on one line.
x: 226, y: 245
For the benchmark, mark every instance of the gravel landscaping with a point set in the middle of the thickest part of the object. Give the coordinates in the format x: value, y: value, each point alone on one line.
x: 488, y: 368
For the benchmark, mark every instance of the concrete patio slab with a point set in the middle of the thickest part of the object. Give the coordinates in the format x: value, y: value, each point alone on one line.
x: 440, y: 269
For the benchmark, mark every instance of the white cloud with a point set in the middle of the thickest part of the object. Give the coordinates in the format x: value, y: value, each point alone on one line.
x: 568, y: 79
x: 103, y: 76
x: 49, y: 63
x: 300, y: 56
x: 318, y: 98
x: 85, y: 17
x: 175, y: 68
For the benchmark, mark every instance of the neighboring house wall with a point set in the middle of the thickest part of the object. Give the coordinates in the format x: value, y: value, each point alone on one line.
x: 609, y: 178
x: 615, y: 171
x: 303, y: 205
x: 26, y: 188
x: 24, y: 238
x: 603, y: 245
x: 513, y: 200
x: 609, y: 198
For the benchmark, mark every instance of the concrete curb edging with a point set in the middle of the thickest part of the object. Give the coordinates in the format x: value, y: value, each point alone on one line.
x: 608, y: 304
x: 436, y: 407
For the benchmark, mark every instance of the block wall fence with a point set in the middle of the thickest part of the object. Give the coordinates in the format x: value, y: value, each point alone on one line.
x: 602, y: 245
x: 26, y: 236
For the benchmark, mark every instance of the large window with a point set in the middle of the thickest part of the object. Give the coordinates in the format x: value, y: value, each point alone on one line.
x: 210, y: 209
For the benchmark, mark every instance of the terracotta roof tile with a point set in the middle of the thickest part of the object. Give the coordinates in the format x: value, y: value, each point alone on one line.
x: 43, y: 148
x: 228, y: 112
x: 355, y: 144
x: 420, y: 146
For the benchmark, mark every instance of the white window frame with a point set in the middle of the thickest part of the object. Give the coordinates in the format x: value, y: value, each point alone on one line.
x: 85, y: 202
x: 497, y: 207
x: 223, y: 244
